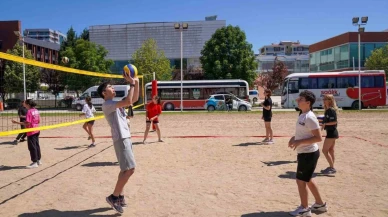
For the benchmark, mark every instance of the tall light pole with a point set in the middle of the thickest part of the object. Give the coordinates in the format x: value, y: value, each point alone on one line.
x: 181, y: 28
x: 355, y: 22
x: 17, y: 33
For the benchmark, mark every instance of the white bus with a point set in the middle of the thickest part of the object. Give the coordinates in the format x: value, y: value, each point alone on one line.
x: 343, y: 85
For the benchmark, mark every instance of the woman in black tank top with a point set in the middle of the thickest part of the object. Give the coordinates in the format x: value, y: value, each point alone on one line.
x: 330, y: 125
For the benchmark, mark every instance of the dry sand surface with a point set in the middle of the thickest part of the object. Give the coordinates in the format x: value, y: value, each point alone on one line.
x: 231, y: 175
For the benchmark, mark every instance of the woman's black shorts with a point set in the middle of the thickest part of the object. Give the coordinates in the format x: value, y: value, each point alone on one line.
x: 332, y: 134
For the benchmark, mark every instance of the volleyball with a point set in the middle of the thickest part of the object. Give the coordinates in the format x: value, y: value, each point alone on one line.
x: 65, y: 60
x: 130, y: 70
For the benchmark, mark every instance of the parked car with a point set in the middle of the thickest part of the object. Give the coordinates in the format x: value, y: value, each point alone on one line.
x: 253, y: 96
x: 12, y: 103
x: 217, y: 102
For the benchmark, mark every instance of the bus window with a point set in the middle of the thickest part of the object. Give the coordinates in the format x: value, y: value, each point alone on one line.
x: 345, y: 82
x: 367, y: 81
x: 293, y: 86
x: 242, y: 93
x: 379, y: 81
x: 324, y: 83
x: 304, y: 83
x: 313, y: 83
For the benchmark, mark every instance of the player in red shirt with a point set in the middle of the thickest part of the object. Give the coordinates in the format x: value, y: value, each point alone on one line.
x: 153, y: 110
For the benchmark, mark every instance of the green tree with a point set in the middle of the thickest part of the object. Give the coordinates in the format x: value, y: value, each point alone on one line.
x: 378, y: 60
x: 70, y: 41
x: 228, y: 52
x: 13, y: 73
x: 85, y: 35
x: 148, y: 59
x: 85, y: 55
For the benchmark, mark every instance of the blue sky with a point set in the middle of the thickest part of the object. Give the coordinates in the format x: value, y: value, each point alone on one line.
x: 264, y: 21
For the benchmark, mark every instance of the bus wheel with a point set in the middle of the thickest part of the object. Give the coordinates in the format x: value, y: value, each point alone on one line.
x: 355, y: 105
x: 169, y: 107
x: 242, y: 108
x: 211, y: 108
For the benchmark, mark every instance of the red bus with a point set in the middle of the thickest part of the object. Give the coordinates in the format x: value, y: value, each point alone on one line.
x: 195, y: 92
x: 343, y: 85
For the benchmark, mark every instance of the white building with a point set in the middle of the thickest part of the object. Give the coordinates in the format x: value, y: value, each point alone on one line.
x: 285, y: 48
x: 294, y: 55
x: 48, y: 35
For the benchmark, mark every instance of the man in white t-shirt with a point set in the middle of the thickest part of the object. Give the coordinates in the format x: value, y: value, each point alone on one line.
x: 307, y: 134
x: 116, y: 117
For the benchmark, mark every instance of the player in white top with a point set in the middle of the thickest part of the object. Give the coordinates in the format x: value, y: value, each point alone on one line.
x: 89, y: 110
x: 307, y: 134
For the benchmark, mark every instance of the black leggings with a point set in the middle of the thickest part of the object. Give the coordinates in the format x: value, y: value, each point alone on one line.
x: 33, y: 147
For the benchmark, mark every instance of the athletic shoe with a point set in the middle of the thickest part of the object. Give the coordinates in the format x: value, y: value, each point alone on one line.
x: 123, y: 203
x: 15, y: 142
x: 319, y: 207
x: 33, y: 165
x: 92, y: 145
x: 115, y: 204
x: 329, y: 170
x: 39, y: 162
x: 270, y: 142
x: 22, y: 140
x: 301, y: 211
x: 265, y: 140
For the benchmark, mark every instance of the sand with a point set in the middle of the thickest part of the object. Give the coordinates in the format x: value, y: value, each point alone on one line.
x: 229, y: 175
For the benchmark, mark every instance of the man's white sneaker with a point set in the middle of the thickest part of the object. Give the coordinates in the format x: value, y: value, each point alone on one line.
x: 301, y: 211
x: 319, y: 207
x: 33, y: 165
x: 39, y: 162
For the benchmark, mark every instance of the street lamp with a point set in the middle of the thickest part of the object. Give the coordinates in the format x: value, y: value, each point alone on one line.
x: 181, y: 28
x: 355, y: 21
x: 17, y: 33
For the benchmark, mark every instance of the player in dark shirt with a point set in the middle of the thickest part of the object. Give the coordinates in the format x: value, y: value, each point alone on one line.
x: 267, y: 116
x: 22, y: 112
x: 330, y: 125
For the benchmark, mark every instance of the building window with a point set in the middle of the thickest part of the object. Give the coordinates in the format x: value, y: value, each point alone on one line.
x: 276, y: 49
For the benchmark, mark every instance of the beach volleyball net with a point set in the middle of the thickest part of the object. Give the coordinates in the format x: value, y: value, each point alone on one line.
x: 59, y: 92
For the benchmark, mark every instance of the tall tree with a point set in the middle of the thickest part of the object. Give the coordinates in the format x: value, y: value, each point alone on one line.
x: 228, y: 52
x: 85, y: 55
x: 273, y: 79
x: 378, y: 59
x: 13, y: 73
x: 148, y: 59
x: 85, y: 34
x: 52, y: 79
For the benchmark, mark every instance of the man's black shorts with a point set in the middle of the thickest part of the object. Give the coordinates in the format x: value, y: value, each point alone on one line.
x: 306, y: 165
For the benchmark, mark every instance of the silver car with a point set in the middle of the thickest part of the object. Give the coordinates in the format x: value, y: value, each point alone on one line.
x: 218, y: 102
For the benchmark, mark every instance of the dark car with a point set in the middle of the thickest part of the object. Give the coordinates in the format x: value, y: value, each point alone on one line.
x: 12, y: 103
